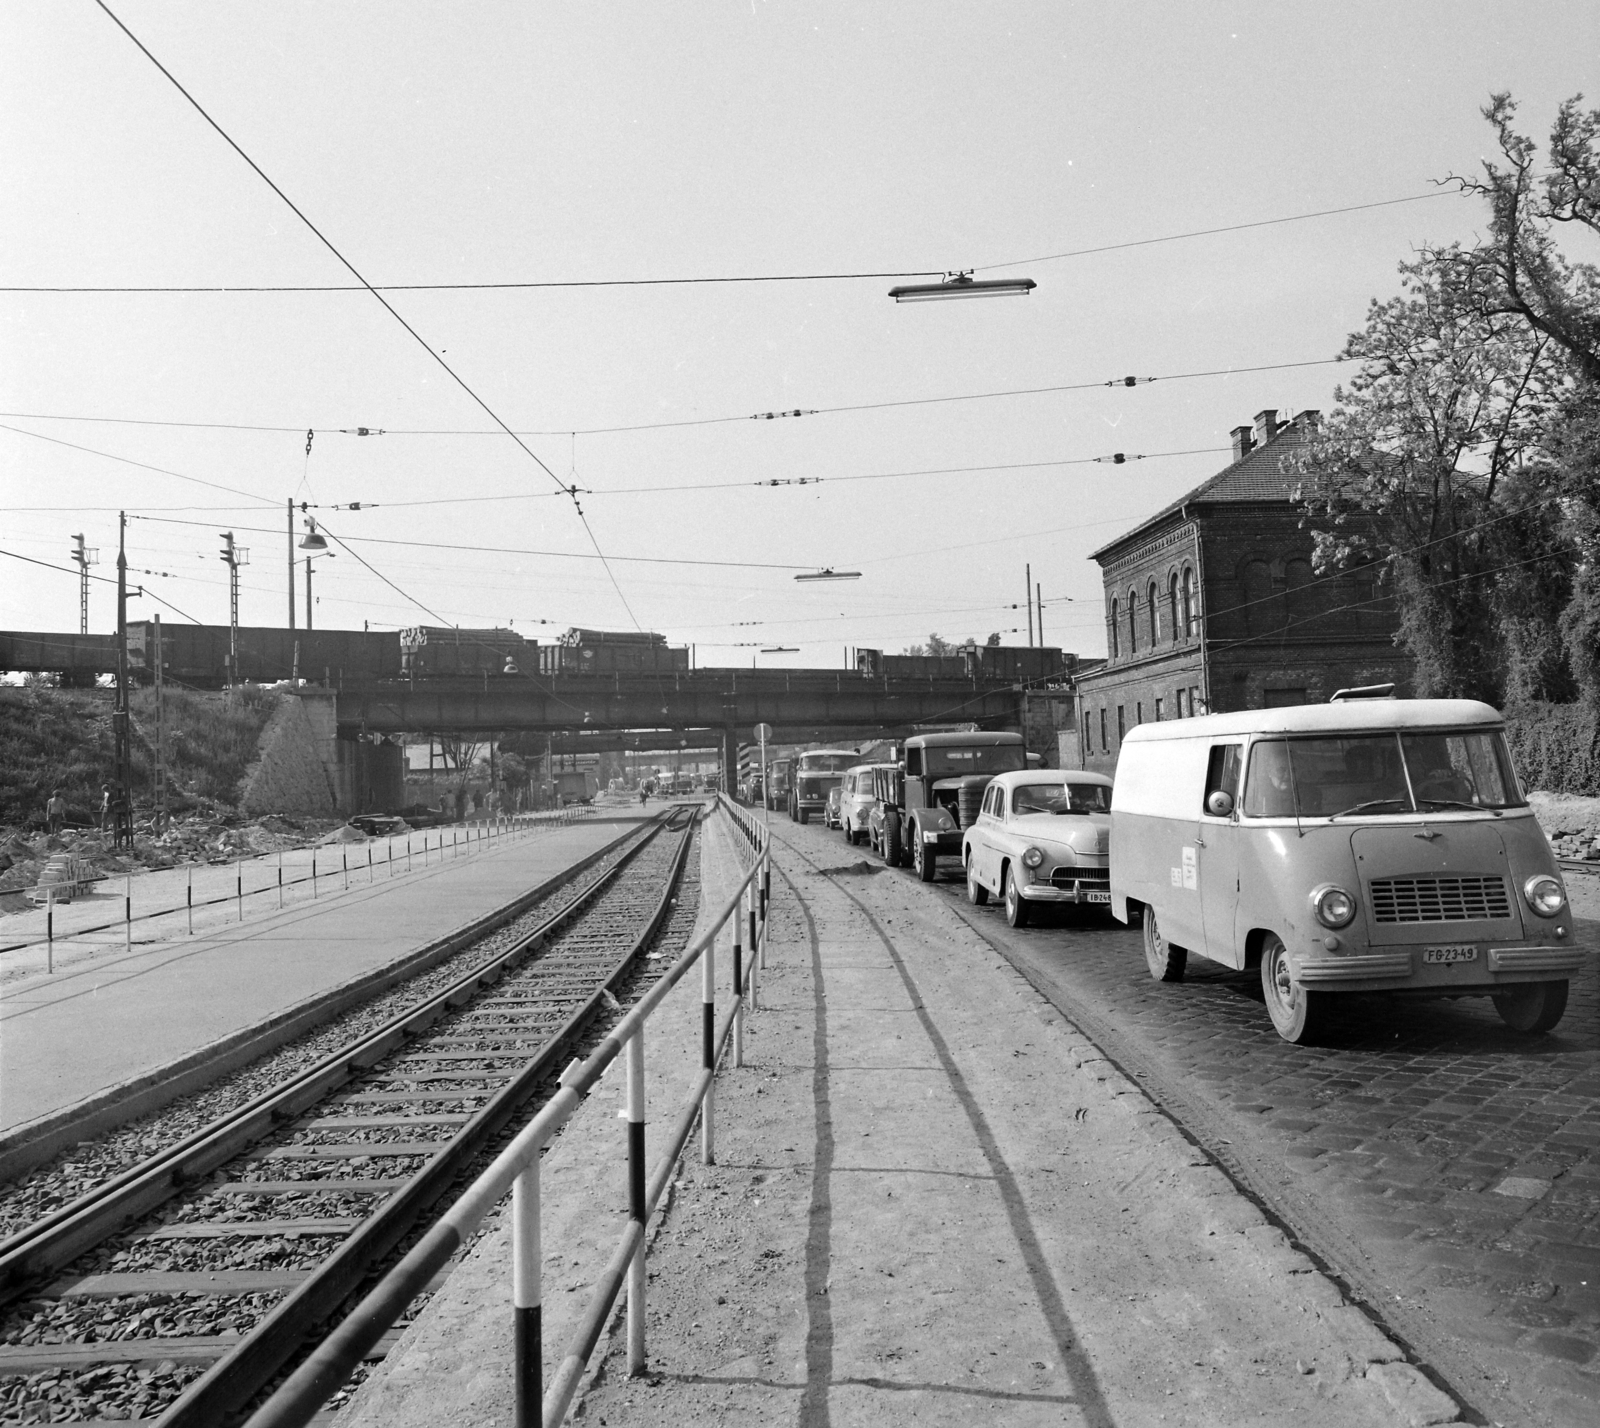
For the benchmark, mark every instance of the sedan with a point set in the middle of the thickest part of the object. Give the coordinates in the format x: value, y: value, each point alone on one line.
x: 1041, y: 836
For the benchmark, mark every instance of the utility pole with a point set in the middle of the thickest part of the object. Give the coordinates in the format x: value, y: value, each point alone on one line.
x: 1027, y: 591
x: 85, y: 559
x: 122, y: 830
x: 233, y: 557
x: 161, y: 743
x: 291, y: 562
x: 1039, y: 591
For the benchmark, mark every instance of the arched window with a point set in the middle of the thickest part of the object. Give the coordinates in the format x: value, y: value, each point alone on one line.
x: 1300, y: 589
x: 1133, y: 622
x: 1172, y: 607
x: 1255, y: 591
x: 1155, y: 615
x: 1191, y: 604
x: 1115, y: 650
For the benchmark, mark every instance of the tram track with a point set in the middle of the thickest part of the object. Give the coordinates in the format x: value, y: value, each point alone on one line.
x: 215, y: 1260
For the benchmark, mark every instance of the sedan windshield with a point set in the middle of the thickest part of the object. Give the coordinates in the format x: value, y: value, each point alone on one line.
x: 1061, y: 798
x: 1376, y: 774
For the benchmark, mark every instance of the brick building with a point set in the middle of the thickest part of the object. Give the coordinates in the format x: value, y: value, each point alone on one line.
x: 1212, y: 605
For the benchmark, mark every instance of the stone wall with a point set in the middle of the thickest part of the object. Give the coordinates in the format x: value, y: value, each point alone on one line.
x: 289, y: 775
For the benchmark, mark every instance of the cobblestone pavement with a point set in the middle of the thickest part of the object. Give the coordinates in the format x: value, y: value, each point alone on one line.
x: 1448, y: 1167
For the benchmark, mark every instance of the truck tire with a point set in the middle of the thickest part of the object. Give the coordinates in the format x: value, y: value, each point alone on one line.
x: 926, y: 863
x: 1297, y: 1015
x: 891, y: 840
x: 1533, y: 1007
x: 805, y: 815
x: 1166, y: 962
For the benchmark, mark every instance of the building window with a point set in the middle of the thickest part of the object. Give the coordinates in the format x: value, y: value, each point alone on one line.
x: 1122, y: 726
x: 1154, y: 616
x: 1088, y: 733
x: 1115, y: 627
x: 1133, y: 622
x: 1194, y: 694
x: 1138, y: 714
x: 1172, y: 606
x: 1105, y: 748
x: 1191, y: 605
x: 1158, y: 708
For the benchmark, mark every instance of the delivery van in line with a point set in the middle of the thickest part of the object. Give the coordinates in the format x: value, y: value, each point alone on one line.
x: 1364, y: 845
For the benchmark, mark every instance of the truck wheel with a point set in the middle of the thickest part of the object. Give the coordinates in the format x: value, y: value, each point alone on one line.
x: 1165, y: 961
x: 805, y: 815
x: 891, y: 842
x: 977, y: 894
x: 1298, y: 1015
x: 926, y: 863
x: 1533, y: 1007
x: 1017, y: 910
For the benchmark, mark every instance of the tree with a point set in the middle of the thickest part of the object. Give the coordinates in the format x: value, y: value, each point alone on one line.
x: 935, y: 646
x: 1431, y: 467
x: 1527, y: 275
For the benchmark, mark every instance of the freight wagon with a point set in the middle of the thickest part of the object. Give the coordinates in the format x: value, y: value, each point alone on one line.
x: 199, y: 655
x: 576, y: 636
x: 1017, y: 664
x: 609, y: 659
x: 446, y: 650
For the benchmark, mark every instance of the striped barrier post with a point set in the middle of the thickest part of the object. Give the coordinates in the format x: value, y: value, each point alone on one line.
x: 527, y: 1297
x: 755, y: 961
x: 127, y: 912
x: 708, y: 1049
x: 50, y: 931
x: 369, y: 862
x: 238, y: 888
x: 344, y: 868
x: 189, y: 899
x: 738, y: 980
x: 636, y: 1201
x: 280, y: 879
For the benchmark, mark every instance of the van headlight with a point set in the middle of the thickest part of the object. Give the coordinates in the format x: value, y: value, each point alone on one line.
x: 1544, y: 895
x: 1334, y: 906
x: 1032, y: 857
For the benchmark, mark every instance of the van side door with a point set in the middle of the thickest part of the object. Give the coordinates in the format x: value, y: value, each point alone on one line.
x: 1217, y: 849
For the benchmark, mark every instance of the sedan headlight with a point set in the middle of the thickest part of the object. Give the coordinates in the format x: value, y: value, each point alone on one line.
x: 1544, y: 895
x: 1032, y: 857
x: 1334, y: 906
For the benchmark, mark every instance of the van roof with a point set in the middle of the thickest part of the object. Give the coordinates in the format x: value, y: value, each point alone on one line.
x: 1324, y: 718
x: 960, y: 741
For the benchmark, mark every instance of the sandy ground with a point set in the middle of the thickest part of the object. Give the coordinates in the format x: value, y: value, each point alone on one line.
x: 933, y: 1201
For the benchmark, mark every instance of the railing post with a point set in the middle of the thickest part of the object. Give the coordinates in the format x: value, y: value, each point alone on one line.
x: 238, y: 888
x: 50, y: 930
x: 369, y: 862
x: 708, y: 1049
x: 527, y: 1297
x: 408, y: 852
x: 344, y: 868
x: 755, y: 947
x: 127, y: 912
x: 636, y: 1188
x: 189, y: 899
x: 313, y: 875
x: 738, y: 987
x: 280, y: 879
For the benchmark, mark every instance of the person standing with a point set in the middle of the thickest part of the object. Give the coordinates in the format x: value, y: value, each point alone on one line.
x: 55, y: 812
x: 105, y: 807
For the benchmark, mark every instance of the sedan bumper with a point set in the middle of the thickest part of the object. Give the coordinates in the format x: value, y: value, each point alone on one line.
x: 1078, y: 892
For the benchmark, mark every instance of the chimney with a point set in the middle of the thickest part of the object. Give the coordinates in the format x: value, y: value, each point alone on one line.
x: 1242, y: 442
x: 1267, y: 426
x: 1309, y: 420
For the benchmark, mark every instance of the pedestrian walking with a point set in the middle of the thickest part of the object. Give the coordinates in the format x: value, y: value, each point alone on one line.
x: 55, y: 812
x: 105, y: 807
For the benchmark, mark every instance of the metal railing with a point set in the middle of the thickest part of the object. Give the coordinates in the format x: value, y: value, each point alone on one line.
x: 744, y: 915
x: 462, y: 840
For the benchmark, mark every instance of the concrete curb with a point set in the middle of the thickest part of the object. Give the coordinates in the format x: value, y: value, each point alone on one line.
x: 35, y: 1142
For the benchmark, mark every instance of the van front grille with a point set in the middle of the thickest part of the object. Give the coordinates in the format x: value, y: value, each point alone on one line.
x: 1463, y: 899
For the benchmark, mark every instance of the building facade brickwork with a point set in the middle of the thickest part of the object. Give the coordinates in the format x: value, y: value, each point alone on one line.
x: 1212, y: 605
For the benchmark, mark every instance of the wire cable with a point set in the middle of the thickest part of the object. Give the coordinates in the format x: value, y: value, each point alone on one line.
x: 143, y: 465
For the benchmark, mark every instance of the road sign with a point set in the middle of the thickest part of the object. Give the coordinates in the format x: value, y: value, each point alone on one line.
x: 763, y: 733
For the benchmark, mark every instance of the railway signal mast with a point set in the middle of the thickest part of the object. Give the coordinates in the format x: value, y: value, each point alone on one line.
x: 85, y: 558
x: 233, y: 556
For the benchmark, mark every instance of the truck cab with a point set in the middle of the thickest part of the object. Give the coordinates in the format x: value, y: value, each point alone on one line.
x: 940, y: 791
x: 817, y: 773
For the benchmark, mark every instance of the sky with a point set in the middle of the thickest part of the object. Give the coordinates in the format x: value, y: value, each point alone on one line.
x: 600, y: 145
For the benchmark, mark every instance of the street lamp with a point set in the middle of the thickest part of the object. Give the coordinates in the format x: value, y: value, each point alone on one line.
x: 830, y: 574
x: 962, y: 285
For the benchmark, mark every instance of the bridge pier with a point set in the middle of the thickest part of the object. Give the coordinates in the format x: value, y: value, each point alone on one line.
x: 730, y: 760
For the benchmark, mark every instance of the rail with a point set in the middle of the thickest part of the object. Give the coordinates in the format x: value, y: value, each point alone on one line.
x: 516, y: 1169
x: 483, y: 836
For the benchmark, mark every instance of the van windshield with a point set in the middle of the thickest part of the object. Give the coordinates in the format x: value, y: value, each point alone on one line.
x: 1379, y: 774
x: 826, y: 763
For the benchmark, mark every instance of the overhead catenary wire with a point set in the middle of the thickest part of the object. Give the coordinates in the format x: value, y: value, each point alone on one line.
x: 736, y: 419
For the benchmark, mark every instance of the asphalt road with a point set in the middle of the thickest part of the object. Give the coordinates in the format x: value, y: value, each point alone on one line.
x: 1443, y: 1167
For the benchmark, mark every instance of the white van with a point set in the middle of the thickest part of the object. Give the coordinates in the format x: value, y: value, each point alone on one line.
x: 1372, y: 845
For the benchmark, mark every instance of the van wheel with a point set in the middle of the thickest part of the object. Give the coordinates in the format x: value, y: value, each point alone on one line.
x: 1017, y: 910
x: 1166, y: 962
x: 1533, y: 1007
x: 1297, y: 1015
x: 977, y: 894
x: 926, y: 863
